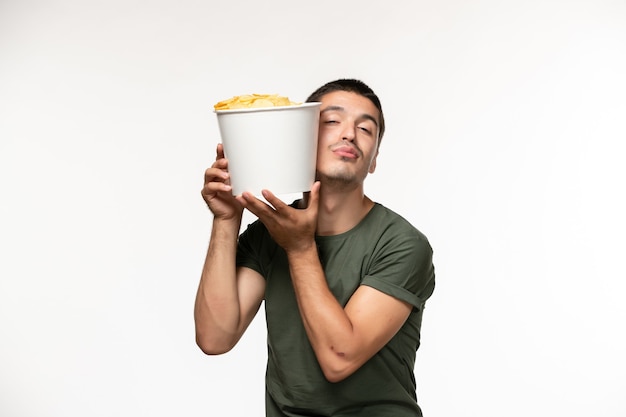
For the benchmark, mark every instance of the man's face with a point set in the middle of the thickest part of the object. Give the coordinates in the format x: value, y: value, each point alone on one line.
x: 348, y: 138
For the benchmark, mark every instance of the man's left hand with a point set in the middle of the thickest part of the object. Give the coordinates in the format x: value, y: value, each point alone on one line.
x: 291, y: 228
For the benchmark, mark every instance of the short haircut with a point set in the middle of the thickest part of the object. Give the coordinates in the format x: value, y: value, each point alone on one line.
x: 353, y: 86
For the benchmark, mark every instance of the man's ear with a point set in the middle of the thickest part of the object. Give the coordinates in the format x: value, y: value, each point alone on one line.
x: 372, y: 167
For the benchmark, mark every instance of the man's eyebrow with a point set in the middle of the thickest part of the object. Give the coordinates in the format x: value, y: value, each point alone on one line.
x: 333, y: 108
x: 339, y: 108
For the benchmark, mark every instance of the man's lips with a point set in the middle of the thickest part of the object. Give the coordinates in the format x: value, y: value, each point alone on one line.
x: 346, y: 152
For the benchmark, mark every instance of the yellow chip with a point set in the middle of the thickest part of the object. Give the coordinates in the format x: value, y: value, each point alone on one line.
x: 254, y: 101
x: 262, y: 102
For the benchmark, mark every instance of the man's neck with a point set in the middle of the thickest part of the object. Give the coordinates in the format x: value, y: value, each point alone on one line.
x: 341, y: 210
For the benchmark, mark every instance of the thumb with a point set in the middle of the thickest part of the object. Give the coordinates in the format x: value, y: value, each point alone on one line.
x: 314, y: 196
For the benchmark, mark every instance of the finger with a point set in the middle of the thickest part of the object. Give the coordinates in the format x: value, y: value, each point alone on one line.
x: 241, y: 200
x: 221, y: 163
x: 314, y: 196
x: 214, y: 186
x: 219, y: 151
x: 215, y: 174
x: 257, y: 206
x: 276, y: 202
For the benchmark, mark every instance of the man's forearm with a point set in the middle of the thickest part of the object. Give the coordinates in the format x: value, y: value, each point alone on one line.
x: 327, y: 325
x: 217, y: 310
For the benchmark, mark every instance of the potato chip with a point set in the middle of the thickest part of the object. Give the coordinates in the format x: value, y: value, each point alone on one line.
x: 254, y: 101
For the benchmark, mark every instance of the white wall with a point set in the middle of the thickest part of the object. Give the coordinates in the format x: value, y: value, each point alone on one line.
x: 505, y: 146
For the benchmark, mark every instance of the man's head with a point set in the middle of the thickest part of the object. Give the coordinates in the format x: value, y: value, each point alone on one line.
x: 350, y: 129
x: 353, y: 86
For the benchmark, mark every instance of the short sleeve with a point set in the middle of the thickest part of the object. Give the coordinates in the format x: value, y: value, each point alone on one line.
x: 403, y: 267
x: 253, y: 246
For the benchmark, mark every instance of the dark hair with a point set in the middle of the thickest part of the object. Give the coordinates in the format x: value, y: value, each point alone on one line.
x: 353, y: 86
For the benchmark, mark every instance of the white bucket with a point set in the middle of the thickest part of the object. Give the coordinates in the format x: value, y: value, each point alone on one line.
x: 273, y: 148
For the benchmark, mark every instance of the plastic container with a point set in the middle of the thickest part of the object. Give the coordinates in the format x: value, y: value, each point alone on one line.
x: 273, y: 148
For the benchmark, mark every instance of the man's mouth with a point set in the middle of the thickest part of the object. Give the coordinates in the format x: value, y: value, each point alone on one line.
x: 346, y: 152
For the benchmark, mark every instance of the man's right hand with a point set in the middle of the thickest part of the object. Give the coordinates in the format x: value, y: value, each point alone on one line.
x: 217, y: 192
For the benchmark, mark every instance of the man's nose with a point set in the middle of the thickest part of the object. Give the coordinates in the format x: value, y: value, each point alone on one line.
x: 349, y: 133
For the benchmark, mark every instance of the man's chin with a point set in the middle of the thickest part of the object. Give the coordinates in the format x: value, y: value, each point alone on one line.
x: 339, y: 179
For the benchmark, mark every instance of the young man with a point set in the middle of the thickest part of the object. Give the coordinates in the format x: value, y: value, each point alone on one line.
x: 344, y: 279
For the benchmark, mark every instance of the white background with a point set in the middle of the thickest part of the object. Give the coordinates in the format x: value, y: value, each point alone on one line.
x: 506, y: 126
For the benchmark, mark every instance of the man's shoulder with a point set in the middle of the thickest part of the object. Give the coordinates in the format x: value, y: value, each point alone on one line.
x: 396, y: 222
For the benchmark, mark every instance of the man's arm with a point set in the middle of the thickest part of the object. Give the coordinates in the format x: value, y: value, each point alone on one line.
x: 343, y: 338
x: 227, y: 298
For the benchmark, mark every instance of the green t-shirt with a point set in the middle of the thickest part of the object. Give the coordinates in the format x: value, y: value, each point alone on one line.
x: 383, y: 251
